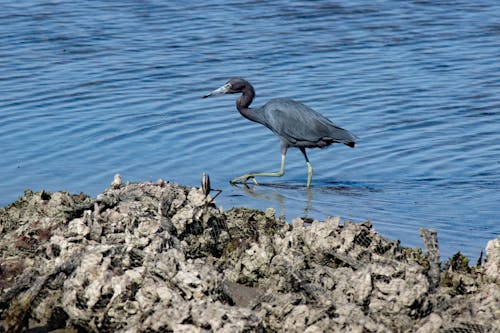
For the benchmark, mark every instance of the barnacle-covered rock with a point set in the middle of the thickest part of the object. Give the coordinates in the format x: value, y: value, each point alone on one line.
x: 156, y: 257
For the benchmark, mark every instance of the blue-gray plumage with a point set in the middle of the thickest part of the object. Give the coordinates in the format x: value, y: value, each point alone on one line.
x: 294, y: 123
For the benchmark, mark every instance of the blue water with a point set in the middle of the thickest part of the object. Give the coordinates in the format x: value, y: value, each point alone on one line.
x: 93, y: 88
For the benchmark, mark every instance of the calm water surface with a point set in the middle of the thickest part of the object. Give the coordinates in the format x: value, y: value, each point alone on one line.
x: 93, y: 88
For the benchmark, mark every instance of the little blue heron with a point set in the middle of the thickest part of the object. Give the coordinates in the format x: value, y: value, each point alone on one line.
x: 294, y: 123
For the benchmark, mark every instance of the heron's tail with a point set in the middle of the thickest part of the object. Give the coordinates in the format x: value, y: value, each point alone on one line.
x: 345, y: 137
x: 340, y: 135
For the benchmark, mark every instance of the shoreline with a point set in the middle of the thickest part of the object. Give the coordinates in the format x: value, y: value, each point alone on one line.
x: 162, y: 257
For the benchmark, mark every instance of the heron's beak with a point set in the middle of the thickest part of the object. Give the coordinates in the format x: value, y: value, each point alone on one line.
x: 222, y: 90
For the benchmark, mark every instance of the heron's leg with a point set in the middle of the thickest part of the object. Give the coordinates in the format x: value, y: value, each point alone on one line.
x: 309, y: 167
x: 247, y: 176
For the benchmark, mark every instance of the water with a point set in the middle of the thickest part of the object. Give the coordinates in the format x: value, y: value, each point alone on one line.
x: 92, y: 88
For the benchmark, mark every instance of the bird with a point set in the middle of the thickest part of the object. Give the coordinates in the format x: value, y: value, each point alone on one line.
x: 295, y: 124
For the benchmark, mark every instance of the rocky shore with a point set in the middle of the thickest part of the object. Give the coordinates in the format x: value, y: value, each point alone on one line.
x: 160, y: 257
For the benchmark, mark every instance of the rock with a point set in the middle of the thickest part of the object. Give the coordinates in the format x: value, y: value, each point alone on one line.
x: 78, y: 227
x: 239, y: 294
x: 270, y: 212
x: 492, y: 264
x: 153, y: 257
x: 117, y: 181
x: 431, y: 324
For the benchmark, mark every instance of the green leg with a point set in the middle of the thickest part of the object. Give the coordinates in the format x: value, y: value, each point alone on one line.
x: 309, y: 174
x: 243, y: 179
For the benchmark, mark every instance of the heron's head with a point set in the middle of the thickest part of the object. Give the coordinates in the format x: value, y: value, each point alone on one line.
x: 233, y: 86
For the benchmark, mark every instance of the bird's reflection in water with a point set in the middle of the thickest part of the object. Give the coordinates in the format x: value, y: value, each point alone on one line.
x: 263, y: 192
x: 275, y: 193
x: 281, y: 194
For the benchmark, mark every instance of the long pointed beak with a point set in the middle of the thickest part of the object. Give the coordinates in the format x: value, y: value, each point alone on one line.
x: 222, y: 90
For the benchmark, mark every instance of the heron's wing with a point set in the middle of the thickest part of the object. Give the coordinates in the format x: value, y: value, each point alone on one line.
x: 298, y: 123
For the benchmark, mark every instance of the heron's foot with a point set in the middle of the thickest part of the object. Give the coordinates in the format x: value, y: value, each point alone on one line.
x: 243, y: 179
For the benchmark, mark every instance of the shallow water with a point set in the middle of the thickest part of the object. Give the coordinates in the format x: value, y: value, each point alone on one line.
x: 90, y: 89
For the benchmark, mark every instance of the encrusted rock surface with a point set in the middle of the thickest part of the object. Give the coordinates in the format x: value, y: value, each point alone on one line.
x: 159, y: 257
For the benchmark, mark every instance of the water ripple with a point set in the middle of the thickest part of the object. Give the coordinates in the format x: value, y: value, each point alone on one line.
x: 91, y: 89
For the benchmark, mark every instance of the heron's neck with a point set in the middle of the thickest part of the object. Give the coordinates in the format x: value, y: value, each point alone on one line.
x: 246, y: 98
x: 244, y: 101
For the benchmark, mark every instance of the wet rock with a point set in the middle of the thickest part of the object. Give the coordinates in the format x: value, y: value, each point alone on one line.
x: 154, y: 257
